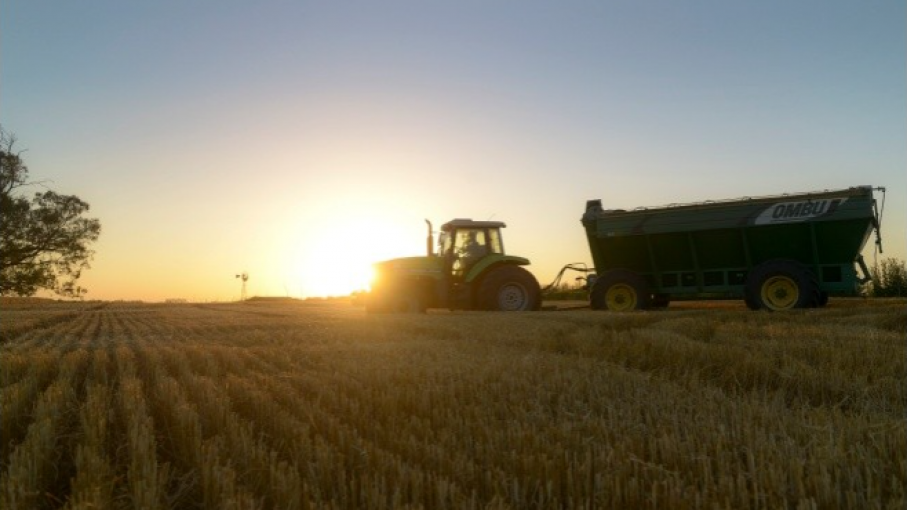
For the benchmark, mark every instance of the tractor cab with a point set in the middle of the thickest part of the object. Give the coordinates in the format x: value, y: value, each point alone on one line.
x: 462, y: 243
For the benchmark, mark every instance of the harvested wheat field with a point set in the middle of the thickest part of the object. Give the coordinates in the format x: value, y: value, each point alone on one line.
x: 302, y: 405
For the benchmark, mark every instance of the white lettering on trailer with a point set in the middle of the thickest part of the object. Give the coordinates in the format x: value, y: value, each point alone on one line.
x: 789, y: 212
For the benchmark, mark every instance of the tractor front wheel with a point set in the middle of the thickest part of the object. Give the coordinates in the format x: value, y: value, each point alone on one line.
x: 375, y: 303
x: 509, y: 289
x: 405, y: 299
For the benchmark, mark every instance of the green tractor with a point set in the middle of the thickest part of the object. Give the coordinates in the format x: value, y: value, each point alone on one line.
x: 469, y: 271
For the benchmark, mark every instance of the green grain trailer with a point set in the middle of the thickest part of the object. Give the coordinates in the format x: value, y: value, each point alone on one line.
x: 775, y: 252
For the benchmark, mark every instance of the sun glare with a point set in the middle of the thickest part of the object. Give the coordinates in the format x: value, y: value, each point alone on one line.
x: 336, y: 260
x: 337, y: 272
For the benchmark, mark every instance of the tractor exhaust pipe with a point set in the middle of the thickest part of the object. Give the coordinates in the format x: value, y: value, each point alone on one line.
x: 429, y: 241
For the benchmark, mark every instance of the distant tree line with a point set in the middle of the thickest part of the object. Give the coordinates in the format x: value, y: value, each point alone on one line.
x: 567, y: 292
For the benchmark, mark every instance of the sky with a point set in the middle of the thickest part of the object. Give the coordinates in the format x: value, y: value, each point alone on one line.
x: 301, y: 141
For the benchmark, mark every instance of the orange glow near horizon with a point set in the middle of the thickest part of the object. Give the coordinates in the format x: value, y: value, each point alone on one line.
x: 337, y: 259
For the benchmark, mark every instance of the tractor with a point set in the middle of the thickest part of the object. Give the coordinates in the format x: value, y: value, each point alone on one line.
x: 469, y: 271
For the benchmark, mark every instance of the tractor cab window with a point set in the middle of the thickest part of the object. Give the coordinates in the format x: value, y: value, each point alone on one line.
x: 445, y: 244
x: 495, y: 244
x: 469, y: 246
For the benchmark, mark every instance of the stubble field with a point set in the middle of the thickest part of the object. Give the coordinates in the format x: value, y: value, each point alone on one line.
x: 302, y: 405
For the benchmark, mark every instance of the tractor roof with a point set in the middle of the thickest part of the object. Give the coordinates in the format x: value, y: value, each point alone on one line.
x: 467, y: 223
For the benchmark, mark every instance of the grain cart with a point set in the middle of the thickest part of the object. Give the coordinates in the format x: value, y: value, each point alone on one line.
x: 468, y: 271
x: 776, y: 252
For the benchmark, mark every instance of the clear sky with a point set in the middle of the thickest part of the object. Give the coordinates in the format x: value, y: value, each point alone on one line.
x: 300, y: 141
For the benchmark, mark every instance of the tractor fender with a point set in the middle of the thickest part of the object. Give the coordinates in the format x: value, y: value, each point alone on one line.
x: 493, y: 260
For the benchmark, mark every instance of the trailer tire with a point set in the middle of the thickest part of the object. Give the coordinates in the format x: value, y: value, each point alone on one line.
x: 620, y: 290
x: 779, y: 285
x: 752, y: 304
x: 509, y: 289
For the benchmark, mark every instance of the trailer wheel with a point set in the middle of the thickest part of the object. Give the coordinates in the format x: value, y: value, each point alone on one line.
x: 780, y: 285
x: 620, y: 290
x: 509, y: 289
x: 751, y: 303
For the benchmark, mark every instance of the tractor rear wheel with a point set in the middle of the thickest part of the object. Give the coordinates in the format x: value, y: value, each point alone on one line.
x: 780, y: 285
x: 620, y: 290
x: 509, y: 289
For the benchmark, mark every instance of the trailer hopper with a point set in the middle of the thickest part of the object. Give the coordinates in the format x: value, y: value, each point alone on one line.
x: 775, y: 252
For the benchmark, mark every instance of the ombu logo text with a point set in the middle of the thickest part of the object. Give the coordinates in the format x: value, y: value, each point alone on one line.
x: 787, y: 212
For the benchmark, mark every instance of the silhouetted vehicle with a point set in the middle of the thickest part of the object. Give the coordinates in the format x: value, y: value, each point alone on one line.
x: 468, y: 271
x: 775, y: 252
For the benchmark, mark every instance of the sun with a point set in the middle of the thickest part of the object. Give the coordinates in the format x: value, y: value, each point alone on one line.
x: 336, y: 259
x: 335, y: 272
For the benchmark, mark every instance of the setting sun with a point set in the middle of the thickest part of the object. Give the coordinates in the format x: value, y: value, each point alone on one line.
x: 336, y: 259
x: 333, y: 267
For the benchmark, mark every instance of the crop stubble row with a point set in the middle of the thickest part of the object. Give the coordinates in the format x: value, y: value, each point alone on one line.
x: 299, y: 406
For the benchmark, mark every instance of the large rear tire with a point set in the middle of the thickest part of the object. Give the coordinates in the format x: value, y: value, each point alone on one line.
x: 509, y: 289
x: 779, y: 285
x: 620, y: 290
